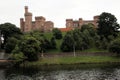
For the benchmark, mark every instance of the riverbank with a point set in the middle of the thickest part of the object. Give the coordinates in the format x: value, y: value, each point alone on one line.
x: 71, y: 60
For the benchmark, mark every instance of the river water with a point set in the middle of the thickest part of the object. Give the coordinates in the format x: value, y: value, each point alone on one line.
x: 109, y: 72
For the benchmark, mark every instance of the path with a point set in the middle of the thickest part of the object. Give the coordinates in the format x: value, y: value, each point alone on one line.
x: 78, y: 54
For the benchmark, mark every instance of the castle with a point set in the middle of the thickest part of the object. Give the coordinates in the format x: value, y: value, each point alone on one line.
x: 70, y: 23
x: 40, y: 23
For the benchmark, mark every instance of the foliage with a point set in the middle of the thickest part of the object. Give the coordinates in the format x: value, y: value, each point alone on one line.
x: 68, y: 43
x: 30, y: 47
x: 10, y: 44
x: 9, y: 30
x: 115, y: 46
x: 80, y: 39
x: 53, y: 43
x: 107, y: 25
x: 17, y: 56
x: 57, y: 33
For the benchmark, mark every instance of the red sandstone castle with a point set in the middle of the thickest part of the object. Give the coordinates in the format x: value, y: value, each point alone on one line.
x: 40, y: 23
x: 70, y: 23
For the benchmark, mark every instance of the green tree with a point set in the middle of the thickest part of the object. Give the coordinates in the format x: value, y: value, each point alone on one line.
x: 17, y: 56
x: 90, y: 28
x: 107, y: 25
x: 9, y: 30
x: 104, y: 44
x: 30, y: 47
x: 78, y: 39
x: 115, y: 46
x: 10, y: 45
x: 57, y: 33
x: 68, y: 43
x: 53, y: 43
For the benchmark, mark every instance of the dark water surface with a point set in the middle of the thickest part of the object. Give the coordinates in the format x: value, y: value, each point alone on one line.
x: 71, y: 72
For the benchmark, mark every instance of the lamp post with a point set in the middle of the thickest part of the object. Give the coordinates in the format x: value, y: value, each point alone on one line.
x: 74, y: 49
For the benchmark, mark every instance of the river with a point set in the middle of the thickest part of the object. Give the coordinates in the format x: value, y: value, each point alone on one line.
x: 109, y: 72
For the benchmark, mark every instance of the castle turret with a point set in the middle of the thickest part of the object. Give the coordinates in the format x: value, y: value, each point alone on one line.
x: 69, y: 23
x: 28, y: 20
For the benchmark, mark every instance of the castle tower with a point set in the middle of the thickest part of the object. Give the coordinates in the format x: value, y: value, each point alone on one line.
x: 69, y: 23
x: 28, y: 20
x: 40, y: 23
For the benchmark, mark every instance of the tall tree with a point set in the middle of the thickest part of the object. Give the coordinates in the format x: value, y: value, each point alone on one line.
x: 107, y: 25
x: 68, y: 42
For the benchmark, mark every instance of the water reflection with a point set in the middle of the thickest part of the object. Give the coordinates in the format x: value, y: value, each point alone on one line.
x: 104, y: 73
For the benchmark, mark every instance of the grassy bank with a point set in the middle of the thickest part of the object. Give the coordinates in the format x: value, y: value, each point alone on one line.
x: 73, y: 60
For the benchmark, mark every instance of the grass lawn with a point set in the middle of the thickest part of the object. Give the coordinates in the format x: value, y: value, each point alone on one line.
x: 74, y: 60
x: 94, y: 50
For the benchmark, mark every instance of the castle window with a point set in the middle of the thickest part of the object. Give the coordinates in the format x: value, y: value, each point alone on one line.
x: 69, y: 25
x: 75, y: 25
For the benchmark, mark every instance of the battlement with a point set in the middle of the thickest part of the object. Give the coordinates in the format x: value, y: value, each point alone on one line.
x: 69, y: 19
x: 40, y: 18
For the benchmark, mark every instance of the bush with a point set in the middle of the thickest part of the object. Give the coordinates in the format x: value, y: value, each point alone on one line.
x: 115, y: 46
x: 30, y: 47
x: 17, y: 56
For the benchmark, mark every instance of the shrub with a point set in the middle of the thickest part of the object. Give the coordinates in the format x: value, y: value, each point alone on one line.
x: 115, y: 46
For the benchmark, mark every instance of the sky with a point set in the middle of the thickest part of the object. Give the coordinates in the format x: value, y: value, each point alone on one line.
x: 57, y: 10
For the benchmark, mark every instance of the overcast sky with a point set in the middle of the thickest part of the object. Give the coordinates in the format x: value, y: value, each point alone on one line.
x: 57, y: 10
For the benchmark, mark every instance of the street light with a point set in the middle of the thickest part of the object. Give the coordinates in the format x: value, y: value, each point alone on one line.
x: 74, y: 49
